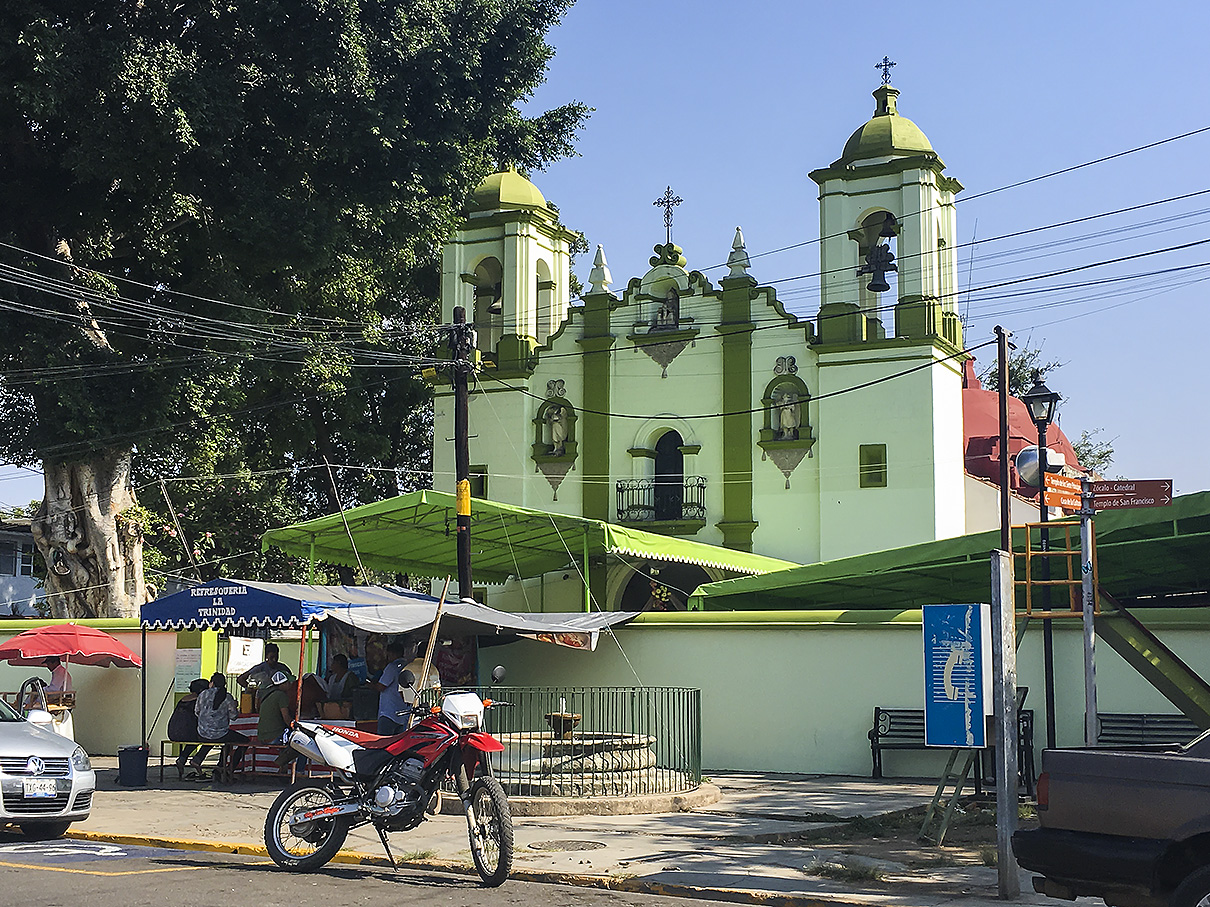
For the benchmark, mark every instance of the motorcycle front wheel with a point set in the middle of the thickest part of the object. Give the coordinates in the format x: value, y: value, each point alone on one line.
x: 491, y: 831
x: 308, y: 844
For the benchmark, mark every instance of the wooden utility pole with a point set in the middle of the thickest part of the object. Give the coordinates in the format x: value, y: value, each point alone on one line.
x: 462, y: 348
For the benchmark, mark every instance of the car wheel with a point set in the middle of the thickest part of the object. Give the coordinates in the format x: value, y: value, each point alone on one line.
x: 1194, y: 891
x: 44, y: 831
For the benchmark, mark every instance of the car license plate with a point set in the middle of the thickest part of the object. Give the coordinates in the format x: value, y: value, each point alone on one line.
x: 39, y: 787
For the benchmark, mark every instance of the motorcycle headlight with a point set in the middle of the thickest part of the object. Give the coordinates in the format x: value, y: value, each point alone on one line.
x: 79, y: 760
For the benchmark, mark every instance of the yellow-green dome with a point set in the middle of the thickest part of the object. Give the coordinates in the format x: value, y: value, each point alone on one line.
x: 507, y: 190
x: 887, y: 134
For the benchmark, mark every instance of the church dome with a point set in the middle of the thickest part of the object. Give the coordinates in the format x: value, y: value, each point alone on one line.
x: 507, y: 190
x: 887, y: 134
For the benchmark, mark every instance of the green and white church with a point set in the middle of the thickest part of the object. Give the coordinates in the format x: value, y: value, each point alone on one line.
x: 704, y: 410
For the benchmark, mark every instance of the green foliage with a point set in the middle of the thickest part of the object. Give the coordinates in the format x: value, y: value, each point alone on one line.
x: 303, y: 164
x: 1093, y: 453
x: 1022, y: 363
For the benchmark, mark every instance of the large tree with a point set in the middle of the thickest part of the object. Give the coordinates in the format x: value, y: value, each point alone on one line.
x: 220, y: 224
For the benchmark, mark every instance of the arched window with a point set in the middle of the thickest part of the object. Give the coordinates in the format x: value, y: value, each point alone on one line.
x: 669, y: 476
x: 489, y: 305
x: 545, y: 295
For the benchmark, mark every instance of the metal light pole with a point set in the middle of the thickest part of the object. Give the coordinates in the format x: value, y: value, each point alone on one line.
x: 1042, y: 402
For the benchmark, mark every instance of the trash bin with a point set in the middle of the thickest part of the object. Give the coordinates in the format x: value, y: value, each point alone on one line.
x: 132, y: 766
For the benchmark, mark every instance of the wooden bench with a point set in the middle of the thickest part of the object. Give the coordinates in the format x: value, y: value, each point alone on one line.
x: 171, y: 748
x: 1130, y: 729
x: 903, y: 729
x: 248, y: 765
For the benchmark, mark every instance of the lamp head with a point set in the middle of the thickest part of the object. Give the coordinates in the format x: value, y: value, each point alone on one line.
x: 1041, y: 401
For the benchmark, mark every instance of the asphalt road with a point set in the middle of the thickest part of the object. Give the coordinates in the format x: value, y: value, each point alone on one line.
x: 70, y: 873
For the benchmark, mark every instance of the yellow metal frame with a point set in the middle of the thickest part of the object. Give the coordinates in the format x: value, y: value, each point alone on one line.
x: 1065, y: 545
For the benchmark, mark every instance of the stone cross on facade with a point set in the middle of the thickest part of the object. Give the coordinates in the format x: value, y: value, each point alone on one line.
x: 885, y: 66
x: 668, y: 201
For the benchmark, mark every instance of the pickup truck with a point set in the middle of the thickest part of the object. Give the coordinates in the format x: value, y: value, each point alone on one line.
x: 1129, y: 826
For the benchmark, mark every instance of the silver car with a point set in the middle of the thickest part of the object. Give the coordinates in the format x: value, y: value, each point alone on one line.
x: 46, y: 781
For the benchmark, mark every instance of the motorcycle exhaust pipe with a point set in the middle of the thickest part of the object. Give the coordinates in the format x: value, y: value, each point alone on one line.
x: 323, y: 812
x: 305, y: 745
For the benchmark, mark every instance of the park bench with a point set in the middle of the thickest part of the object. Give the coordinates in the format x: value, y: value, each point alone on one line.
x: 1134, y: 729
x: 250, y: 765
x: 903, y: 729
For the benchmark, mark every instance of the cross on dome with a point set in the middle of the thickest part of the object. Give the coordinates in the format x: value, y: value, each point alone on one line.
x: 885, y: 66
x: 668, y: 201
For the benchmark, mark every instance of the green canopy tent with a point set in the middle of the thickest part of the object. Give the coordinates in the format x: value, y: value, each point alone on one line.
x: 1158, y: 555
x: 414, y: 533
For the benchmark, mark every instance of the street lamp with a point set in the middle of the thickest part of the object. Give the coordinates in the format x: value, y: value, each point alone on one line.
x: 1042, y: 402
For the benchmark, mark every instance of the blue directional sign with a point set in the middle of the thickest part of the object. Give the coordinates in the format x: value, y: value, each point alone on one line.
x: 957, y: 674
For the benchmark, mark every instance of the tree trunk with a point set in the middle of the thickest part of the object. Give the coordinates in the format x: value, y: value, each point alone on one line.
x: 94, y: 558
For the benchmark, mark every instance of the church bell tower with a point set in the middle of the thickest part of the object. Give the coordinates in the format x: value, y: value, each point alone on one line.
x: 509, y: 266
x: 887, y: 225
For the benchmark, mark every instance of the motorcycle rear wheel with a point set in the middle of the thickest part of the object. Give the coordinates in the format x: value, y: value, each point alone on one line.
x: 491, y: 831
x: 307, y: 845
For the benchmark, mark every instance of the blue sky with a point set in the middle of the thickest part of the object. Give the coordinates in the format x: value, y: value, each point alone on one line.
x: 732, y: 105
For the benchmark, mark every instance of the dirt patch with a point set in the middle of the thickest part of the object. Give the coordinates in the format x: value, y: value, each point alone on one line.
x: 970, y: 839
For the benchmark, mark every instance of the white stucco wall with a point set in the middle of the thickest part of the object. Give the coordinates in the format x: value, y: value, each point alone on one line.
x: 800, y: 697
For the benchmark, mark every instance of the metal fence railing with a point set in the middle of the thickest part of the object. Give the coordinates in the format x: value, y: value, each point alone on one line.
x: 648, y: 500
x: 596, y: 741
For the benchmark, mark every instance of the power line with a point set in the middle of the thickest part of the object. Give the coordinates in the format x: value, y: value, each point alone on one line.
x: 760, y: 409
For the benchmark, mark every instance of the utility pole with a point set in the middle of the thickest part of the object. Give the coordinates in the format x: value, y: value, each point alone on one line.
x: 1004, y: 658
x: 462, y: 349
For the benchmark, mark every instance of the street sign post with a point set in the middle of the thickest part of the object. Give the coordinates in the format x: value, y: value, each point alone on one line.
x: 1061, y: 491
x: 1118, y: 494
x: 1108, y: 494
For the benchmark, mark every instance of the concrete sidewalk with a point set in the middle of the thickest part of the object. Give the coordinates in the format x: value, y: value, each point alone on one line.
x: 746, y: 847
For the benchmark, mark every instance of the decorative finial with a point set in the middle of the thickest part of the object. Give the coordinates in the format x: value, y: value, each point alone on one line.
x: 599, y: 278
x: 885, y: 66
x: 738, y: 260
x: 668, y: 201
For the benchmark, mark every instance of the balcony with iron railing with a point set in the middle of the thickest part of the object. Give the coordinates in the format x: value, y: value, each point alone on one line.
x: 672, y: 507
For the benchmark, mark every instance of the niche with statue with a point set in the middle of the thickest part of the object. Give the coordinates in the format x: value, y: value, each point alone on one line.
x: 554, y: 448
x: 786, y: 437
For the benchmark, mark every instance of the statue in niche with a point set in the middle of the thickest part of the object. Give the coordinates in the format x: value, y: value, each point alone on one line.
x: 556, y: 420
x: 789, y: 416
x: 668, y: 315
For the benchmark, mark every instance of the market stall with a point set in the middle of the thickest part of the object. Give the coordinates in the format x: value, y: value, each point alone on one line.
x: 356, y: 621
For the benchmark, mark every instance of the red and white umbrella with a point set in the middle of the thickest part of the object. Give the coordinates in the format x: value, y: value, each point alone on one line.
x: 71, y: 642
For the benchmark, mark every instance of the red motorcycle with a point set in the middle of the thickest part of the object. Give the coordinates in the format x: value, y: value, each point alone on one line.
x: 394, y: 783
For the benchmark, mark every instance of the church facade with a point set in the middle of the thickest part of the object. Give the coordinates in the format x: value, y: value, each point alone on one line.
x: 703, y: 409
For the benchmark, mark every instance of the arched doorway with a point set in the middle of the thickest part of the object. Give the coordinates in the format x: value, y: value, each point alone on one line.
x: 669, y: 476
x: 663, y: 587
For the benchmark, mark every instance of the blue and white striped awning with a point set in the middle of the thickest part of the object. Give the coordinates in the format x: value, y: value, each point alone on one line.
x: 232, y: 604
x: 228, y: 604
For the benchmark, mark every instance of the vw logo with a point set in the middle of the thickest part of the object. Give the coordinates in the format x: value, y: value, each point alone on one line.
x: 35, y: 766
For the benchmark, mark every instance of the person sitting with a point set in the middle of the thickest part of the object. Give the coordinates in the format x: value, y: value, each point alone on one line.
x: 60, y: 680
x: 215, y: 708
x: 182, y: 723
x: 276, y: 708
x: 340, y: 682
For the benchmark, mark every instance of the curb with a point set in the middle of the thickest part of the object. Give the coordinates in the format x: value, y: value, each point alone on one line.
x: 609, y: 883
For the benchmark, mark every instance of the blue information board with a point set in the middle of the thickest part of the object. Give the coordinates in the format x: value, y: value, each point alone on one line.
x: 957, y: 674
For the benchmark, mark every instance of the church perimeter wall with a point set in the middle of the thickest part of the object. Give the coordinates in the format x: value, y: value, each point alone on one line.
x: 796, y: 692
